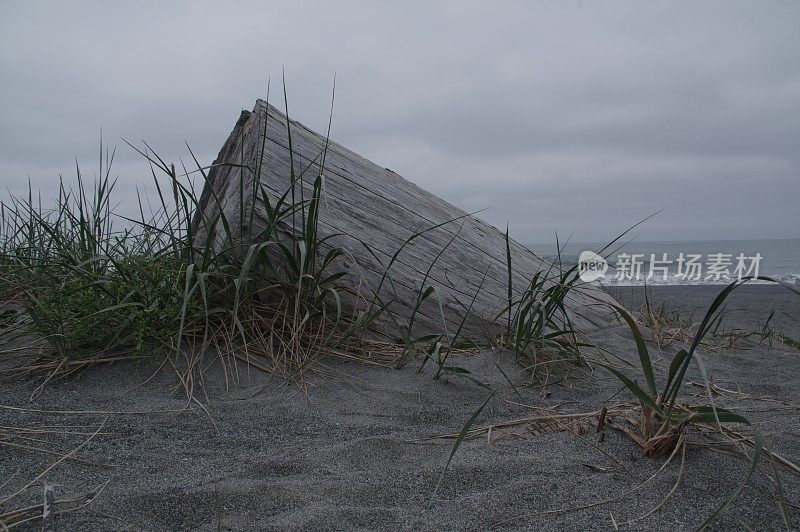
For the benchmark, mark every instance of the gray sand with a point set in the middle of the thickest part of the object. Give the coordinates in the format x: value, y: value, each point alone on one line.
x: 746, y: 308
x: 348, y: 452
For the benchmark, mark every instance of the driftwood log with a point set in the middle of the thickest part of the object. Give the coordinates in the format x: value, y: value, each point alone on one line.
x: 365, y: 203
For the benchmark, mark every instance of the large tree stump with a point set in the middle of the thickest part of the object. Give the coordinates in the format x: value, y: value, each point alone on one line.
x: 365, y: 203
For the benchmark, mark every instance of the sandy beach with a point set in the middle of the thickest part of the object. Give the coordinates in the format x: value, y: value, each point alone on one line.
x: 353, y: 451
x: 747, y: 308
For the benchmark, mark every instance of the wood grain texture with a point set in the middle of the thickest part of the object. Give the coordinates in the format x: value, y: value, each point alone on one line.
x: 364, y: 203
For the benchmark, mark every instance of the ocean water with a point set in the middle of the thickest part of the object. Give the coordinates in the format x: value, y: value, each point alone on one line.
x: 713, y: 262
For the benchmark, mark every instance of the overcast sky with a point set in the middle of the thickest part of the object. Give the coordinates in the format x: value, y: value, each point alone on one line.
x: 576, y: 116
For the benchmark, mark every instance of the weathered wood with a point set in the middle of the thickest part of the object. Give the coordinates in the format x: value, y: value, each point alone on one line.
x: 364, y: 203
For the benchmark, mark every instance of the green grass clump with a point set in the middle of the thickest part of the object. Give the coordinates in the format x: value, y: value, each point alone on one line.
x: 539, y: 328
x: 537, y: 319
x: 95, y: 286
x: 83, y: 287
x: 84, y: 313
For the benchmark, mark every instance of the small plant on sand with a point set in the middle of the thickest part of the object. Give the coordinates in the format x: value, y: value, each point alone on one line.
x: 538, y: 327
x: 664, y: 417
x: 537, y: 321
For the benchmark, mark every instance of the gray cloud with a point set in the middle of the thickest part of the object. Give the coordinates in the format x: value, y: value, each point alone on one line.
x: 572, y: 116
